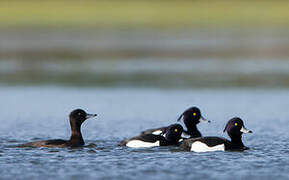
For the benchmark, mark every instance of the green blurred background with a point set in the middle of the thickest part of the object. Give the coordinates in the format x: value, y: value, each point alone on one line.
x: 137, y: 43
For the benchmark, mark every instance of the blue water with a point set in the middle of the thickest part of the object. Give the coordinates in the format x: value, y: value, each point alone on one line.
x: 39, y: 113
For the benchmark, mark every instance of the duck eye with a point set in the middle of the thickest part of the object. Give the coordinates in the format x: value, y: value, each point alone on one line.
x: 194, y: 114
x: 79, y: 114
x: 176, y: 130
x: 236, y: 124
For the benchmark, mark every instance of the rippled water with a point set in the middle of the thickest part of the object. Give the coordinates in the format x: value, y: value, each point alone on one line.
x: 36, y: 113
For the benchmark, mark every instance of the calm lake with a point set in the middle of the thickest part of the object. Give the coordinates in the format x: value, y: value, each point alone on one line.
x: 41, y: 112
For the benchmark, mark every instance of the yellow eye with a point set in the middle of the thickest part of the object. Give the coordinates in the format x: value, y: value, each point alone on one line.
x: 176, y: 130
x: 194, y: 114
x: 79, y: 114
x: 236, y: 124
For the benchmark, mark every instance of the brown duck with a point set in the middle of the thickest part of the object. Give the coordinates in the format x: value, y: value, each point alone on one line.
x: 76, y: 118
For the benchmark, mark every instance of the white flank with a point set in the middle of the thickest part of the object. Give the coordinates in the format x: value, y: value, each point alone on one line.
x: 157, y: 132
x: 140, y: 144
x: 201, y: 147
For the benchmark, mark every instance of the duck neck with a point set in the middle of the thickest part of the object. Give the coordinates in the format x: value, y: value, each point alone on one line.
x: 170, y: 141
x: 192, y: 130
x: 236, y: 140
x: 76, y: 136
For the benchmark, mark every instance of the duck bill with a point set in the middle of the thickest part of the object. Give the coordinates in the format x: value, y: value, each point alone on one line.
x: 244, y: 130
x: 90, y: 116
x: 202, y: 119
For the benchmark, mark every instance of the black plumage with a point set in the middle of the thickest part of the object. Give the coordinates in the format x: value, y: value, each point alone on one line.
x: 191, y: 117
x: 171, y: 137
x: 235, y: 128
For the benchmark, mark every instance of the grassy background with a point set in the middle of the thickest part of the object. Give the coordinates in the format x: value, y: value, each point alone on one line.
x: 135, y: 13
x: 71, y: 42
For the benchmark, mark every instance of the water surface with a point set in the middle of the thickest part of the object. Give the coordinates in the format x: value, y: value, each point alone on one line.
x: 39, y: 113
